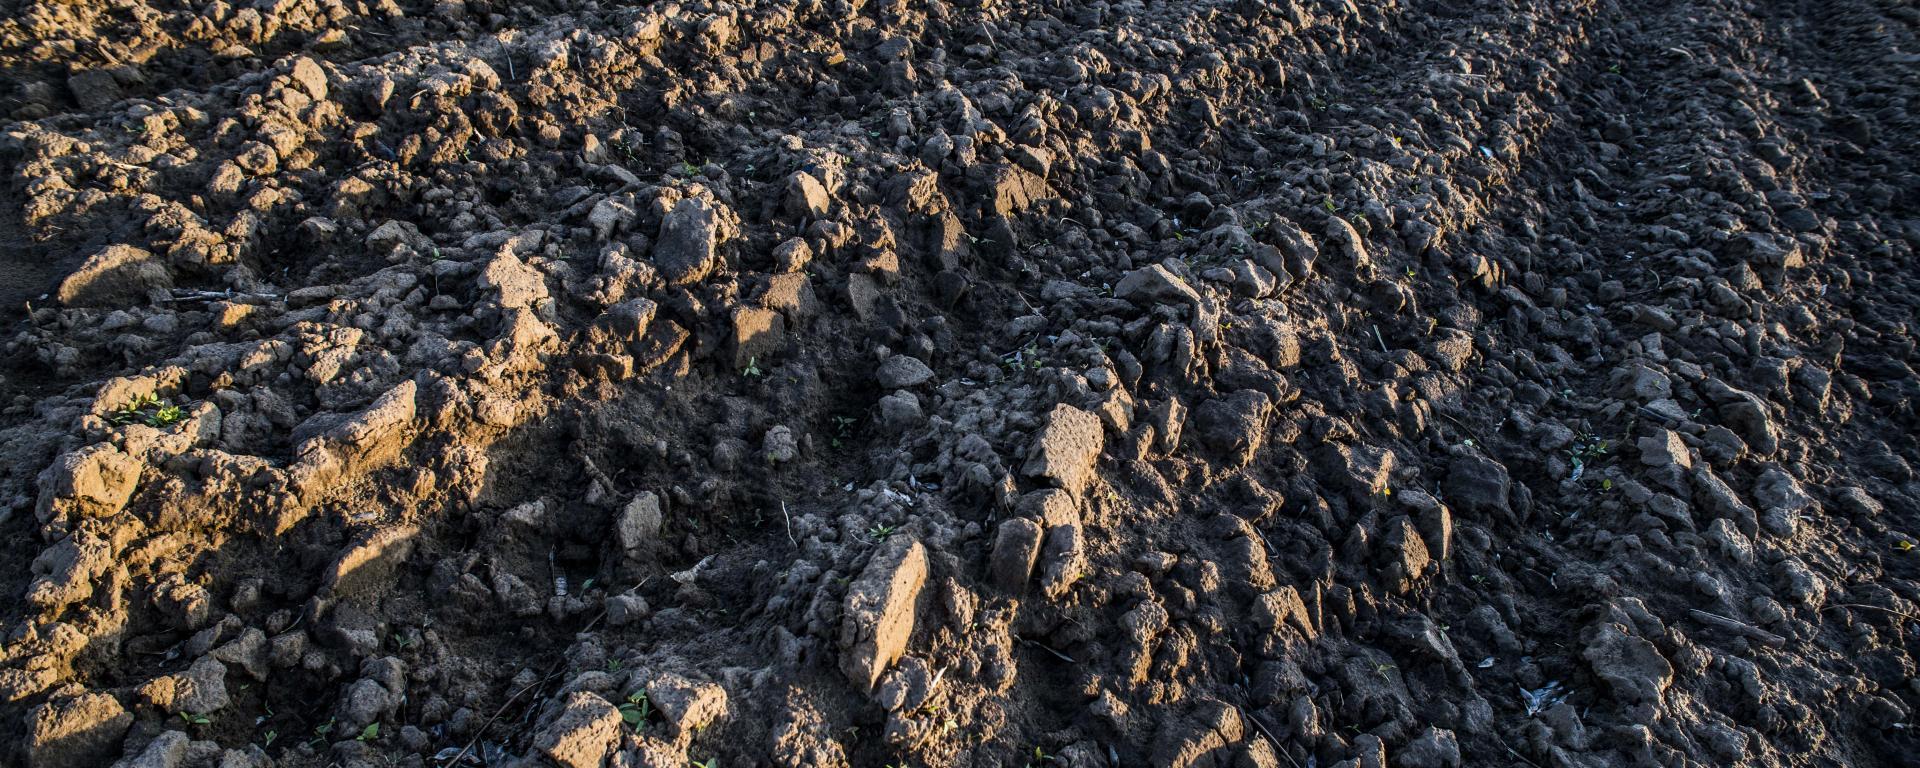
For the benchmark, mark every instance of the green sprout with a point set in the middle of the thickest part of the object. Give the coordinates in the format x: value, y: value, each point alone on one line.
x: 132, y: 411
x: 881, y: 531
x: 635, y: 710
x: 369, y: 733
x: 753, y: 368
x: 195, y: 718
x: 147, y: 409
x: 166, y: 416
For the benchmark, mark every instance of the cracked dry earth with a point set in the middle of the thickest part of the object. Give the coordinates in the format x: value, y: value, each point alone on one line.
x: 1420, y: 383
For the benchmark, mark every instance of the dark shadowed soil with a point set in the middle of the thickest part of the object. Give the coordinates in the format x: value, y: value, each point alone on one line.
x: 1415, y: 384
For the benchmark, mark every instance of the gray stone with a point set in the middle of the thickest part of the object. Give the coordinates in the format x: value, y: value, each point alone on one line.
x: 690, y: 236
x: 114, y: 276
x: 688, y: 705
x: 879, y: 614
x: 1067, y: 448
x: 584, y: 735
x: 1435, y: 748
x: 1016, y: 547
x: 806, y: 197
x: 1631, y: 667
x: 76, y: 732
x: 638, y: 526
x: 901, y: 372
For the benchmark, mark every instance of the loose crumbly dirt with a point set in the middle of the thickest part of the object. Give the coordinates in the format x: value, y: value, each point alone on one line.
x: 1293, y: 383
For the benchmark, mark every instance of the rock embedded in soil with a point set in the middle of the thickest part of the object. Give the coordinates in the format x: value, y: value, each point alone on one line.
x: 1632, y: 669
x: 638, y: 525
x: 1478, y: 484
x: 902, y: 372
x: 95, y: 481
x: 513, y: 282
x: 115, y: 276
x: 1192, y: 740
x: 200, y: 690
x: 1405, y: 553
x: 757, y: 334
x: 583, y: 735
x: 369, y: 565
x: 688, y: 705
x: 1066, y: 448
x: 1016, y: 547
x: 1062, y: 560
x: 76, y: 732
x: 1665, y: 449
x: 1234, y: 427
x: 167, y: 750
x: 1434, y: 748
x: 626, y: 610
x: 880, y: 610
x: 94, y: 88
x: 687, y: 248
x: 805, y: 198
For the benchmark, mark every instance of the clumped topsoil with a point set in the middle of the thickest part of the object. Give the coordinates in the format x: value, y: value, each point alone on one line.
x: 1419, y: 383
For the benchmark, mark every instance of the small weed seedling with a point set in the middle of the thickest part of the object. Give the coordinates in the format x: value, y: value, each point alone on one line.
x: 321, y: 732
x: 166, y: 416
x: 195, y: 719
x: 369, y: 733
x: 752, y: 371
x: 1040, y: 758
x: 1383, y: 669
x: 146, y: 409
x: 635, y: 710
x: 1584, y: 453
x: 842, y: 429
x: 134, y: 411
x: 880, y: 531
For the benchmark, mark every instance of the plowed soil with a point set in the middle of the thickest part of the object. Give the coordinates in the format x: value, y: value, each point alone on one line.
x: 1419, y: 383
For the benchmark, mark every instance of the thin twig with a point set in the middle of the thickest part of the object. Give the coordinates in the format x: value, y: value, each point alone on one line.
x: 1464, y: 428
x: 1738, y: 627
x: 783, y: 513
x: 1377, y: 337
x: 1057, y: 654
x: 1262, y: 727
x: 1901, y: 614
x: 496, y: 716
x: 1516, y: 755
